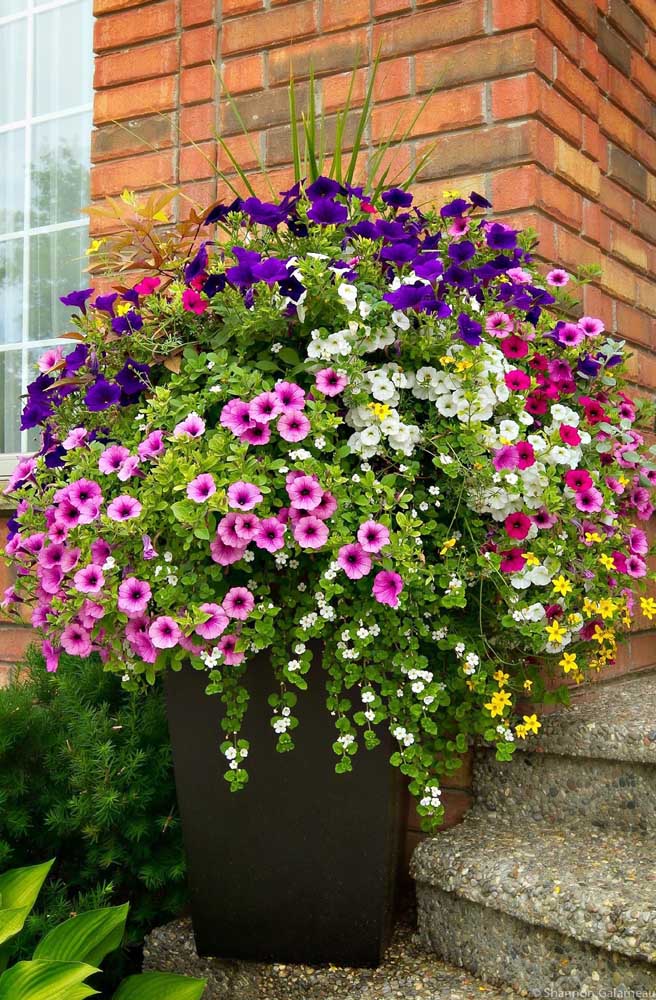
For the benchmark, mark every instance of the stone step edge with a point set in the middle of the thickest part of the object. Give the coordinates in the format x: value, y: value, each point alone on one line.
x: 449, y: 878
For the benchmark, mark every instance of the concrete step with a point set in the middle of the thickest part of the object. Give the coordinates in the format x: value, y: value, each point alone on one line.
x: 539, y: 906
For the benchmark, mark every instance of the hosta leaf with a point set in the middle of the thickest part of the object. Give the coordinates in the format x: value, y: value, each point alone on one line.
x: 85, y: 938
x: 160, y: 986
x: 43, y: 980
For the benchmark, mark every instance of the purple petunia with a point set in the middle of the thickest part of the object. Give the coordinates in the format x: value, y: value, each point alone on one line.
x: 77, y: 300
x: 326, y: 212
x: 101, y: 395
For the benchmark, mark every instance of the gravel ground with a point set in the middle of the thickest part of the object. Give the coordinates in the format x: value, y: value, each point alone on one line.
x: 406, y: 974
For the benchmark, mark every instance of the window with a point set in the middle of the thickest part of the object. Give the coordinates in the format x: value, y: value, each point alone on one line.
x: 46, y: 51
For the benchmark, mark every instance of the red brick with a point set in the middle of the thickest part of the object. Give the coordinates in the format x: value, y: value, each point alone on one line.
x: 597, y: 303
x: 198, y: 162
x: 393, y: 79
x: 481, y: 59
x: 271, y: 27
x: 142, y: 62
x: 426, y: 28
x: 647, y: 11
x: 615, y: 200
x: 589, y: 57
x: 198, y: 84
x: 126, y: 28
x: 199, y: 45
x: 324, y: 54
x: 108, y: 6
x: 592, y: 221
x: 339, y: 14
x: 230, y: 8
x: 246, y: 149
x: 573, y: 251
x: 522, y: 96
x: 198, y: 123
x: 628, y: 247
x: 442, y: 112
x: 383, y: 8
x: 136, y: 174
x: 626, y: 95
x: 561, y: 28
x: 618, y: 280
x: 644, y: 75
x: 14, y: 642
x: 517, y: 14
x: 196, y: 195
x: 584, y: 12
x: 644, y: 221
x: 515, y: 188
x: 335, y: 89
x: 634, y: 325
x: 592, y: 139
x: 135, y: 99
x: 575, y: 85
x: 112, y: 141
x: 196, y: 12
x: 560, y: 201
x: 617, y: 126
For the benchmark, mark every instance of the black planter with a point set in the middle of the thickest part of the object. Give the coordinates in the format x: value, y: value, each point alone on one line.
x: 301, y: 865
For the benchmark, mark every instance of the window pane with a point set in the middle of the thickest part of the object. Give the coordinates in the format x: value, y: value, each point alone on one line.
x: 60, y: 169
x: 12, y: 180
x: 11, y: 291
x: 63, y: 58
x: 8, y: 7
x: 56, y: 262
x: 10, y: 401
x: 12, y: 60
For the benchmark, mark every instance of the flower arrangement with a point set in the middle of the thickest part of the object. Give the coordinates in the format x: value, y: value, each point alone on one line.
x: 344, y: 420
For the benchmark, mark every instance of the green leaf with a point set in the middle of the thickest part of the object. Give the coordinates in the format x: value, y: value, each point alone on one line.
x: 19, y: 889
x: 160, y: 986
x: 85, y: 938
x: 43, y: 980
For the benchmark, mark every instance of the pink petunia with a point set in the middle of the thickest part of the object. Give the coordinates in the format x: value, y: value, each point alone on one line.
x: 387, y: 587
x: 133, y: 596
x: 517, y: 525
x: 51, y: 654
x: 243, y: 495
x: 100, y: 551
x: 590, y: 500
x: 147, y: 285
x: 591, y: 326
x: 152, y: 446
x: 246, y: 526
x: 578, y: 480
x: 505, y: 457
x: 330, y: 382
x: 164, y: 632
x: 224, y: 554
x: 216, y: 622
x: 638, y: 542
x: 311, y: 532
x: 129, y: 468
x: 326, y: 506
x: 270, y: 535
x: 75, y: 438
x: 192, y: 426
x: 293, y: 426
x: 124, y: 508
x: 373, y: 536
x: 636, y: 566
x: 304, y: 493
x: 193, y: 302
x: 353, y: 559
x: 557, y: 278
x: 499, y: 324
x: 256, y: 434
x: 238, y: 603
x: 570, y: 335
x: 76, y: 640
x: 226, y: 530
x: 112, y: 459
x: 50, y: 359
x: 201, y: 488
x: 227, y: 645
x: 236, y: 417
x: 89, y: 580
x: 519, y: 275
x: 291, y: 396
x: 512, y: 561
x: 265, y: 407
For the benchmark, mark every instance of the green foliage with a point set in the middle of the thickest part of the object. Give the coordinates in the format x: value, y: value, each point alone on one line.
x: 71, y: 953
x: 86, y: 774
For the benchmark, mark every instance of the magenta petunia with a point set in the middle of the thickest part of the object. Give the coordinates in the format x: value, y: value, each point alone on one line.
x: 224, y: 554
x: 590, y: 500
x: 243, y: 495
x: 112, y: 459
x: 578, y: 479
x: 570, y: 335
x: 124, y: 508
x: 525, y: 454
x: 51, y: 655
x: 265, y: 407
x: 238, y: 603
x: 89, y: 580
x: 505, y: 457
x: 291, y: 396
x: 311, y: 532
x: 256, y: 434
x: 192, y: 301
x: 304, y: 493
x: 192, y: 426
x: 591, y: 326
x: 270, y: 535
x: 557, y: 278
x: 236, y: 417
x: 373, y: 536
x: 353, y: 559
x: 201, y: 488
x: 215, y: 624
x: 386, y: 588
x: 517, y: 380
x: 227, y: 645
x: 100, y: 551
x: 512, y: 561
x: 133, y: 596
x: 569, y: 435
x: 638, y: 542
x: 226, y: 530
x: 152, y: 446
x: 517, y: 525
x: 330, y: 382
x: 326, y: 506
x: 636, y: 566
x: 164, y: 632
x: 293, y: 426
x: 76, y: 640
x: 514, y: 347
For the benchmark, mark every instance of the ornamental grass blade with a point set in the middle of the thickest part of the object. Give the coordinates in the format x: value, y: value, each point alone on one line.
x: 363, y: 120
x: 294, y: 124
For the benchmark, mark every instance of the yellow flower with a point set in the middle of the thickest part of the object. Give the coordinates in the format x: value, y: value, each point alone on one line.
x: 446, y: 359
x: 600, y: 635
x: 463, y: 365
x: 379, y: 410
x: 593, y: 536
x: 501, y: 678
x: 568, y: 662
x: 531, y: 559
x: 648, y: 607
x: 449, y: 195
x: 498, y: 702
x: 561, y: 585
x: 607, y: 561
x: 94, y: 247
x: 528, y: 685
x: 470, y: 684
x: 574, y: 618
x: 450, y: 542
x: 520, y: 731
x: 531, y: 723
x: 622, y: 480
x: 589, y: 607
x: 505, y: 441
x: 607, y: 608
x: 555, y: 631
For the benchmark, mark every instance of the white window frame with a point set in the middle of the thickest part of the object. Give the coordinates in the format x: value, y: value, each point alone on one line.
x: 30, y: 10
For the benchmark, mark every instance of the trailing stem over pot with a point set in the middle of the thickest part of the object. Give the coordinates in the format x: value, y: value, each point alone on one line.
x: 337, y: 416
